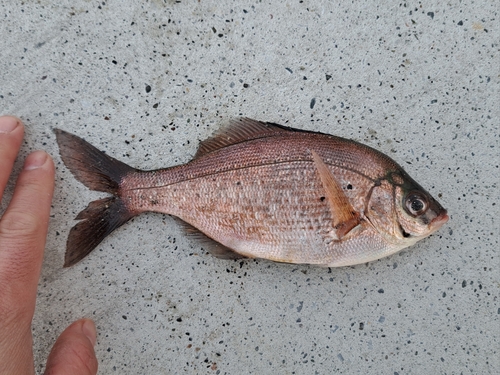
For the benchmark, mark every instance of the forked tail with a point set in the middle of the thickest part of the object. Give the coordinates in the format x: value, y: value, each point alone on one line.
x: 100, y: 172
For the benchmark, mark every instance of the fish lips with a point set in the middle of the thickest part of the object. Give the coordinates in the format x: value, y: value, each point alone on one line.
x: 441, y: 219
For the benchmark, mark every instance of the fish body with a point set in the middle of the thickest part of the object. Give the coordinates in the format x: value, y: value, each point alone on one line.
x: 261, y: 190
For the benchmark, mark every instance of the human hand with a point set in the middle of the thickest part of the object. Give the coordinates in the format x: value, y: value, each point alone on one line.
x: 23, y: 230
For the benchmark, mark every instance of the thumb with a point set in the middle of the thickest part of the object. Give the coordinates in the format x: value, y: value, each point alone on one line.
x: 73, y: 352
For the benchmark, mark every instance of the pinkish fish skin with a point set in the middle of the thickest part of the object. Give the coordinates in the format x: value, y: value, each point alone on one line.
x: 261, y: 190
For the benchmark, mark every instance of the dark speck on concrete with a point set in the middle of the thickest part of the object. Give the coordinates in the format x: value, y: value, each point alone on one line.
x: 431, y: 14
x: 313, y: 102
x: 148, y: 89
x: 299, y: 308
x: 460, y: 23
x: 464, y: 284
x: 361, y: 326
x: 380, y: 290
x: 328, y: 76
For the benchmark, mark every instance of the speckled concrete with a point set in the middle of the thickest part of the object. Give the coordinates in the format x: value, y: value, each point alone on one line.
x: 146, y: 81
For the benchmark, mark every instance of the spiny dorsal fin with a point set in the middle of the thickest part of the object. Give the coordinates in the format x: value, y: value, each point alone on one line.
x: 237, y: 131
x: 345, y: 217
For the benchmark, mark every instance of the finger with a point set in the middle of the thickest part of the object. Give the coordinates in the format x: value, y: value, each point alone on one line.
x: 11, y: 136
x: 23, y: 229
x: 73, y: 352
x: 16, y: 353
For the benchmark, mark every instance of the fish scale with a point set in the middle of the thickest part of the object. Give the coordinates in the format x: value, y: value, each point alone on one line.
x: 260, y: 190
x: 218, y: 199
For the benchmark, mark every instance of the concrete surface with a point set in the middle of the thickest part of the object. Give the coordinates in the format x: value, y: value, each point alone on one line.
x: 146, y: 81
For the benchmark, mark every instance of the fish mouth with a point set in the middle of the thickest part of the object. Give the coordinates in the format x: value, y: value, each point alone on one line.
x: 439, y: 220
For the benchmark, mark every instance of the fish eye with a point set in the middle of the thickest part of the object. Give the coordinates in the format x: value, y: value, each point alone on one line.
x: 416, y: 203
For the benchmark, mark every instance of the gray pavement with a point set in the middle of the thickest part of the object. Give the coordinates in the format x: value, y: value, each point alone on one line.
x: 146, y: 81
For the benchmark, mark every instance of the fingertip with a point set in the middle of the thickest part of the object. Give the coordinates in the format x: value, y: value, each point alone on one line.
x: 73, y: 352
x: 89, y: 330
x: 36, y: 160
x: 9, y: 124
x: 11, y: 136
x: 27, y: 214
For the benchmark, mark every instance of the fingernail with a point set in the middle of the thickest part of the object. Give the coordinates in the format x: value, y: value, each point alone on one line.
x: 35, y: 160
x: 89, y: 330
x: 7, y: 124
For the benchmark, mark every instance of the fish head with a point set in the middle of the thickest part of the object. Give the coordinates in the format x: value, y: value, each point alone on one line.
x: 419, y: 214
x: 403, y: 211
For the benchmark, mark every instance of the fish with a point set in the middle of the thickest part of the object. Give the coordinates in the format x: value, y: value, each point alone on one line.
x: 262, y: 190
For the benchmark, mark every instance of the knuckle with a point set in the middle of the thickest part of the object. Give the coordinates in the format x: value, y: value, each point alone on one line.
x: 22, y: 225
x: 20, y: 242
x: 12, y: 312
x: 18, y: 269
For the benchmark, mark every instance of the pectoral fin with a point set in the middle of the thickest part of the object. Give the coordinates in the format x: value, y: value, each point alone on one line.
x: 345, y: 218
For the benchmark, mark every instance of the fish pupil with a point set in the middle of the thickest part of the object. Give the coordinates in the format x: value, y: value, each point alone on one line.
x: 417, y: 205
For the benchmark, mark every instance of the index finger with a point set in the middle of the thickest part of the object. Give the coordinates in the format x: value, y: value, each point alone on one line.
x: 23, y: 226
x: 11, y: 136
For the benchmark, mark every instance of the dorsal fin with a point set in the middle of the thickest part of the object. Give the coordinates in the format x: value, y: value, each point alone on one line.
x: 237, y: 131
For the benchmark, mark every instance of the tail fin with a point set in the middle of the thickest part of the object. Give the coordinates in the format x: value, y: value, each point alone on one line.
x: 100, y: 172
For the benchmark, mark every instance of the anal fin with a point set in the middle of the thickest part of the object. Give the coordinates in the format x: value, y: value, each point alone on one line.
x: 215, y: 248
x: 345, y: 217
